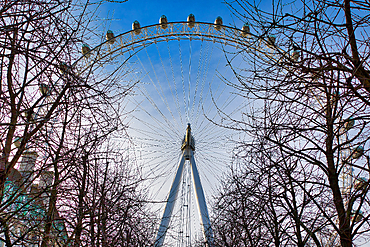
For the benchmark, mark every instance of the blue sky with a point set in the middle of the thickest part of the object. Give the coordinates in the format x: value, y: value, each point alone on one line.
x: 148, y: 12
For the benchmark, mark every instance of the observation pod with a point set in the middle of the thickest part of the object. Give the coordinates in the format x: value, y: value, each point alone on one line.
x: 86, y: 50
x: 29, y: 115
x: 163, y: 21
x: 271, y: 40
x: 246, y: 31
x: 17, y: 141
x: 358, y: 152
x: 295, y: 55
x: 136, y: 27
x: 357, y: 218
x: 218, y: 23
x: 361, y: 183
x: 349, y: 123
x: 191, y: 21
x: 63, y: 67
x: 44, y: 89
x: 110, y: 37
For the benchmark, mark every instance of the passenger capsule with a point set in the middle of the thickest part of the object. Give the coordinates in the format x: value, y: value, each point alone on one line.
x: 163, y: 21
x: 349, y: 123
x: 136, y: 27
x: 110, y: 37
x: 271, y: 40
x: 361, y: 183
x: 358, y: 152
x: 63, y: 67
x: 191, y: 21
x: 357, y: 217
x: 295, y: 55
x: 29, y: 115
x: 86, y: 50
x: 245, y: 30
x: 218, y: 23
x: 44, y: 89
x: 17, y: 142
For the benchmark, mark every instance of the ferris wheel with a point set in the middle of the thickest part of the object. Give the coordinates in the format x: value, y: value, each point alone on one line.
x: 178, y: 104
x: 179, y: 101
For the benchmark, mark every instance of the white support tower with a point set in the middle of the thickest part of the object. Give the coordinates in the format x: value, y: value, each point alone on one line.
x: 188, y: 148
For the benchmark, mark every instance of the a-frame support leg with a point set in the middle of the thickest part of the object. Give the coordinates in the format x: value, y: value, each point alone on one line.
x: 187, y: 148
x: 170, y: 204
x: 202, y: 205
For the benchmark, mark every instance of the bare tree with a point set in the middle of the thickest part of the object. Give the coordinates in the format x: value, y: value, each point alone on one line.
x: 77, y: 191
x: 107, y: 200
x: 271, y: 199
x: 308, y: 85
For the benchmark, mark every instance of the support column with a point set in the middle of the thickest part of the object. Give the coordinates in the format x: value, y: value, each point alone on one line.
x: 170, y: 204
x: 202, y: 205
x: 188, y: 148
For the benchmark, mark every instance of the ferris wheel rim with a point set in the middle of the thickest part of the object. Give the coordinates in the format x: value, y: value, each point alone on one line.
x: 177, y: 22
x: 216, y: 37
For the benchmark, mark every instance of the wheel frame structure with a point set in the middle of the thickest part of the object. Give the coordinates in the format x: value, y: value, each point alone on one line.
x: 132, y: 42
